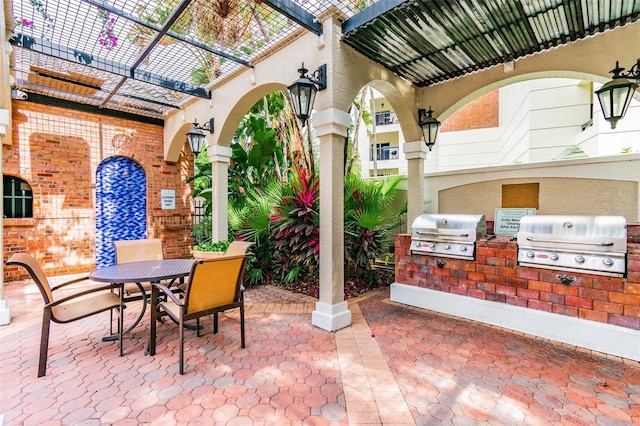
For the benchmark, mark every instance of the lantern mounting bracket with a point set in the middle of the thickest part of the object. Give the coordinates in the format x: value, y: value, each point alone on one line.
x: 318, y: 77
x: 634, y: 71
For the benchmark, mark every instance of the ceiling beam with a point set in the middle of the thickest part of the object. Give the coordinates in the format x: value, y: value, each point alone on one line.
x: 68, y: 54
x: 296, y: 13
x: 369, y: 13
x: 49, y: 100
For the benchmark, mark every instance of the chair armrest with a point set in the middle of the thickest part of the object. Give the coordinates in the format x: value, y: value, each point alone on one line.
x: 84, y: 293
x: 163, y: 288
x: 77, y: 280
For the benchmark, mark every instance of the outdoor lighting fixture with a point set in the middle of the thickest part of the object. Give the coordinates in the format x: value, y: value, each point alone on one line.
x: 303, y: 90
x: 429, y: 126
x: 615, y: 96
x: 196, y: 135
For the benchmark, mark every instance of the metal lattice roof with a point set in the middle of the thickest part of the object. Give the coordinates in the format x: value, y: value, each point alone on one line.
x: 427, y: 42
x: 149, y: 57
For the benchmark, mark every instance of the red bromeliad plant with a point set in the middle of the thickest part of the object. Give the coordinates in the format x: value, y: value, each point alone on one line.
x: 295, y: 227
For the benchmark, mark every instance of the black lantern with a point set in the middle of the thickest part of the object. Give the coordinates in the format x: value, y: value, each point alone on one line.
x: 303, y: 91
x: 429, y: 126
x: 615, y: 96
x: 196, y: 135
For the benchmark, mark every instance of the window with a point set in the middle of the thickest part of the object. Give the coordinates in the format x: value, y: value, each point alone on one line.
x: 384, y: 152
x: 385, y: 117
x: 18, y: 198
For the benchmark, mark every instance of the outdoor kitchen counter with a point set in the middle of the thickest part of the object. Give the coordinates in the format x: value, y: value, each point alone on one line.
x: 495, y: 275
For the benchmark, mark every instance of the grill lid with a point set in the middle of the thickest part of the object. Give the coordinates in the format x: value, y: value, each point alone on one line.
x: 593, y: 244
x: 589, y: 233
x: 447, y: 235
x: 449, y: 226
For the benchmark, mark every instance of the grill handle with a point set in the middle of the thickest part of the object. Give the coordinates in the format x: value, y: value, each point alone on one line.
x: 441, y: 234
x: 586, y: 243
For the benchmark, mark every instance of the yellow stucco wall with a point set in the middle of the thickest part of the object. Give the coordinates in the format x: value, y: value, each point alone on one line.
x: 557, y: 196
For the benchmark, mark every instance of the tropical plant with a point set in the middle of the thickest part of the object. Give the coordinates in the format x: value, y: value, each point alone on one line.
x: 361, y: 115
x: 249, y: 221
x: 368, y: 221
x: 295, y: 227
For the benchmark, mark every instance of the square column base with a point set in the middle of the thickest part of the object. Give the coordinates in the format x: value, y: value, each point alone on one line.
x: 5, y: 313
x: 331, y: 317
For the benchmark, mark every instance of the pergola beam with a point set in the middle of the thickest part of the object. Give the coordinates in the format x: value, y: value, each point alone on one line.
x: 72, y: 55
x: 369, y: 13
x: 297, y: 14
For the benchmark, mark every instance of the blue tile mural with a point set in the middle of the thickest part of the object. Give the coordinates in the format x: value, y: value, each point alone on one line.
x: 121, y: 206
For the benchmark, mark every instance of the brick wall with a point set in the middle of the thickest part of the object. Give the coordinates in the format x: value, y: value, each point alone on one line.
x: 495, y: 276
x: 480, y: 113
x: 57, y: 151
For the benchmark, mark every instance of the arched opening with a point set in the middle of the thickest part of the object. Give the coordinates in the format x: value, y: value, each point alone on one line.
x: 121, y: 206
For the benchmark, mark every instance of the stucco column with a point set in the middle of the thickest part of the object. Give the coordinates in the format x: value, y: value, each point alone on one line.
x: 5, y: 135
x: 415, y: 153
x: 5, y: 309
x: 331, y: 311
x: 220, y: 156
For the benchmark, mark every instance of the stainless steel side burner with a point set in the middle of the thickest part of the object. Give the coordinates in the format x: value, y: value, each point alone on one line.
x: 592, y: 244
x: 447, y: 235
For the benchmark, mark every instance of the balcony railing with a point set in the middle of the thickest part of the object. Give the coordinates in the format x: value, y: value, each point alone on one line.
x: 386, y: 117
x: 385, y: 153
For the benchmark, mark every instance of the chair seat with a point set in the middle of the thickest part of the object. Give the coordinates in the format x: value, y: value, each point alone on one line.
x: 171, y: 308
x: 74, y: 310
x: 132, y: 288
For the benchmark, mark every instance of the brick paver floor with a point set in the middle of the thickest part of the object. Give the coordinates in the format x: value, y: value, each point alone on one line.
x: 394, y: 365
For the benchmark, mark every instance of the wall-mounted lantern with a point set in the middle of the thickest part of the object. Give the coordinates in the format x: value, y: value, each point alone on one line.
x: 196, y: 135
x: 303, y: 91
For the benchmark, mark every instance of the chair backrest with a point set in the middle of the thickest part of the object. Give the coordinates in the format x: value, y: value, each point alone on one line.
x: 137, y: 250
x: 29, y: 263
x: 214, y: 283
x: 238, y: 248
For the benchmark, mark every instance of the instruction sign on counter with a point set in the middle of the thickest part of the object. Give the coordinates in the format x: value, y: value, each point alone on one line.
x: 507, y: 221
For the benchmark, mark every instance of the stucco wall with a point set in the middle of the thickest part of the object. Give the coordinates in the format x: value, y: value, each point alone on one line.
x: 603, y: 185
x: 556, y: 196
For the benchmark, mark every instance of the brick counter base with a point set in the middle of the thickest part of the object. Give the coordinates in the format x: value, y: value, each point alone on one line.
x: 495, y: 277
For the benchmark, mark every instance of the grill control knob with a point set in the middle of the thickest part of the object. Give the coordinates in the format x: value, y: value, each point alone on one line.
x: 531, y: 254
x: 447, y: 246
x: 607, y: 261
x: 464, y: 248
x: 580, y: 259
x: 432, y: 246
x: 554, y: 256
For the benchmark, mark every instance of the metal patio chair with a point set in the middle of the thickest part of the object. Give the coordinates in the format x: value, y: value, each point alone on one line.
x: 238, y: 248
x: 80, y: 304
x: 135, y: 251
x: 214, y: 285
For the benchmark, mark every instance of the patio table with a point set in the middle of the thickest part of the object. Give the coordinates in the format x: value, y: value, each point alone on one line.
x: 153, y: 271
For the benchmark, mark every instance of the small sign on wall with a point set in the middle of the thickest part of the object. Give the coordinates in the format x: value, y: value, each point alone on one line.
x: 507, y: 221
x: 168, y: 199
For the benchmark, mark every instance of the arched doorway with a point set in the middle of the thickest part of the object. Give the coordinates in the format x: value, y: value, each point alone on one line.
x: 121, y: 206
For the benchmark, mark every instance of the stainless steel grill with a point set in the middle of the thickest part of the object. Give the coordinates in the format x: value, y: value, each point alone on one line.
x: 593, y: 244
x: 447, y: 235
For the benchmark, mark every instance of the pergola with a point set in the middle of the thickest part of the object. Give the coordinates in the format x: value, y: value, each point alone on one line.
x: 173, y: 61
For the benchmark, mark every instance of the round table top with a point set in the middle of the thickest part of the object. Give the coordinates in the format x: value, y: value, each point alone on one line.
x: 143, y: 271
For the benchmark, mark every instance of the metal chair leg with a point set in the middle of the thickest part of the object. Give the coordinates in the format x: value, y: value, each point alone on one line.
x: 44, y: 342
